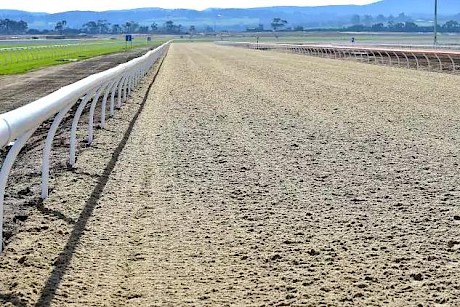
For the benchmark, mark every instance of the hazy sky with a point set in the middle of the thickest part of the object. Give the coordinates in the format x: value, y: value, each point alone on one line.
x: 53, y: 6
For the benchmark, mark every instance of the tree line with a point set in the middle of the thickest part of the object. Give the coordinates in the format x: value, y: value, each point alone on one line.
x: 104, y: 27
x: 12, y: 27
x: 368, y: 20
x: 8, y: 26
x: 450, y: 26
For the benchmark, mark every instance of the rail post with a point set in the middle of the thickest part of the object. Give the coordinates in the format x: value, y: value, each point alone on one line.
x: 389, y: 59
x: 453, y: 62
x: 73, y: 132
x: 407, y: 59
x: 427, y: 60
x: 104, y: 103
x: 91, y: 114
x: 416, y: 60
x: 397, y: 57
x: 4, y: 173
x: 47, y: 150
x: 439, y: 60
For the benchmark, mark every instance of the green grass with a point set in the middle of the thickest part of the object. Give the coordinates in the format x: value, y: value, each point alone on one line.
x: 16, y: 61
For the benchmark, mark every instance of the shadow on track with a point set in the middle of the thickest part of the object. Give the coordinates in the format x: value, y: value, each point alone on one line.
x: 63, y: 260
x: 13, y: 299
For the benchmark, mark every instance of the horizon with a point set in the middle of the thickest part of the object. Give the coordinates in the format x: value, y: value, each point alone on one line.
x: 57, y: 6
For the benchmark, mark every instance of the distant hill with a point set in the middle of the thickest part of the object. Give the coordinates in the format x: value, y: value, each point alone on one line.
x: 238, y: 19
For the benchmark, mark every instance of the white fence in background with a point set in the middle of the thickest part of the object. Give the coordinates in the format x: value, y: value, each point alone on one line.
x: 432, y: 59
x: 12, y: 55
x: 109, y: 89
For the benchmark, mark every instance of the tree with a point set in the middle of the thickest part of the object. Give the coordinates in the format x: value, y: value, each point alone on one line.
x: 278, y: 23
x: 154, y: 27
x: 367, y: 20
x: 192, y: 31
x: 398, y: 26
x: 378, y: 27
x: 117, y: 29
x: 410, y: 26
x: 402, y: 17
x: 451, y: 26
x: 143, y: 29
x: 169, y: 26
x: 131, y: 27
x: 103, y: 26
x: 8, y: 26
x: 59, y: 27
x: 90, y: 27
x: 380, y: 18
x: 355, y: 20
x: 21, y: 27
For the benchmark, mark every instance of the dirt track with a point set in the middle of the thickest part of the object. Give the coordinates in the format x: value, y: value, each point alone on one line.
x: 256, y: 178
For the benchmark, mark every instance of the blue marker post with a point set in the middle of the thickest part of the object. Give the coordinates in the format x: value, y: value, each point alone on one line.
x: 129, y: 38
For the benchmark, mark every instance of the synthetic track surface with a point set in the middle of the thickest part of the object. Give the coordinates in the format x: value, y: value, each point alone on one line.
x: 257, y: 178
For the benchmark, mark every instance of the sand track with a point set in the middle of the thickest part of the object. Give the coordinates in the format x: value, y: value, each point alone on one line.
x: 256, y: 178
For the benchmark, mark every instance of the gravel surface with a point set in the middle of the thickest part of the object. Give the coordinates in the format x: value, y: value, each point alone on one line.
x: 18, y: 90
x: 255, y: 178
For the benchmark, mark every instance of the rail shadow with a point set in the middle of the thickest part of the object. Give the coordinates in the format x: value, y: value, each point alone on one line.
x: 50, y: 212
x: 61, y: 265
x: 12, y: 299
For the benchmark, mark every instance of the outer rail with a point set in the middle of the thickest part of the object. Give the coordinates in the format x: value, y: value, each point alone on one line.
x: 108, y: 87
x: 13, y: 55
x: 418, y: 58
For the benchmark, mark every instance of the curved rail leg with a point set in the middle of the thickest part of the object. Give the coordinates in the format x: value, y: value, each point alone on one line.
x: 373, y: 56
x: 104, y: 103
x: 389, y: 58
x: 47, y: 150
x: 129, y: 86
x: 73, y: 132
x: 112, y: 97
x: 453, y: 62
x: 440, y: 62
x: 407, y: 59
x: 416, y: 60
x: 381, y: 57
x: 91, y: 114
x: 428, y: 61
x: 120, y: 90
x: 125, y: 89
x: 5, y: 172
x: 397, y: 57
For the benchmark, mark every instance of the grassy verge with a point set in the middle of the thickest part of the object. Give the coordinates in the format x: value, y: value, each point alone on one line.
x: 18, y: 61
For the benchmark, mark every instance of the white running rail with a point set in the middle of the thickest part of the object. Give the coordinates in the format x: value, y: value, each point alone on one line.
x: 433, y: 59
x: 110, y: 87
